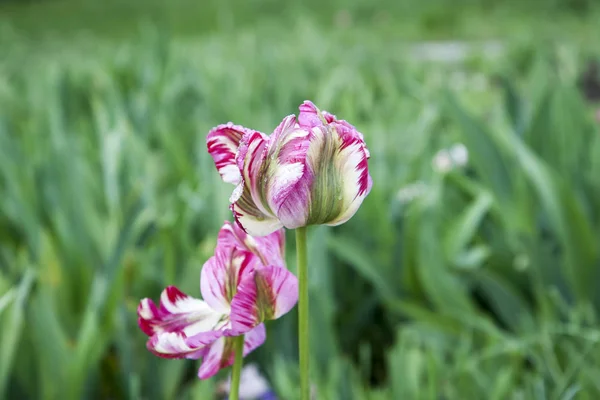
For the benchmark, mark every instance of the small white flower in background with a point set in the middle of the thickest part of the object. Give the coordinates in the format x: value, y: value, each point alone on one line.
x: 408, y: 193
x: 253, y: 386
x: 455, y: 157
x: 442, y: 161
x: 459, y: 154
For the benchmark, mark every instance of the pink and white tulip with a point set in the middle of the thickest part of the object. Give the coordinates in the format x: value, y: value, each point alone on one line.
x: 312, y: 170
x: 244, y: 284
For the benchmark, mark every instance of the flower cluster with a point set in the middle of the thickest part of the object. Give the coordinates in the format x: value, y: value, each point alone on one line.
x: 244, y: 284
x: 312, y: 170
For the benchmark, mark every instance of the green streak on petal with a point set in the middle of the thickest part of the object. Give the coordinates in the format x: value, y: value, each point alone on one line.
x: 228, y: 350
x: 231, y: 279
x: 246, y: 203
x: 327, y: 201
x: 265, y: 300
x: 266, y: 175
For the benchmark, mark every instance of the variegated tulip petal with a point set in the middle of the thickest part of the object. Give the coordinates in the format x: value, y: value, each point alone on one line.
x: 178, y: 345
x: 251, y: 219
x: 310, y: 116
x: 270, y: 248
x: 352, y: 158
x: 269, y: 294
x: 251, y: 162
x: 287, y: 178
x: 222, y: 273
x: 179, y: 313
x: 250, y: 208
x: 341, y: 182
x: 222, y: 354
x: 222, y: 143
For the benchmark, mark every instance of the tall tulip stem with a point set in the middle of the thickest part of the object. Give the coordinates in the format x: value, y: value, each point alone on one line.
x: 303, y: 346
x: 238, y: 343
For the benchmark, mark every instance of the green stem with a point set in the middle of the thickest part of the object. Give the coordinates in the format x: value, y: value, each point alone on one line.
x: 303, y: 347
x: 238, y: 344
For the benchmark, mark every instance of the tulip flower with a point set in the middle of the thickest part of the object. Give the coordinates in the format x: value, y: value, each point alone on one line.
x: 312, y: 170
x: 242, y: 285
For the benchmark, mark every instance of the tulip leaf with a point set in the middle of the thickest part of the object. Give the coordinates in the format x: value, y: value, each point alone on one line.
x: 461, y: 232
x: 349, y: 251
x: 12, y: 327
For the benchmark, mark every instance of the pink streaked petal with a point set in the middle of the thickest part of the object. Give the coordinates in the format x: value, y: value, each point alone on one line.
x: 231, y: 235
x: 203, y: 339
x: 222, y: 354
x: 269, y: 294
x: 352, y: 160
x: 221, y: 274
x: 178, y: 345
x: 147, y: 315
x: 353, y: 142
x: 309, y: 115
x: 249, y: 205
x: 251, y: 161
x: 287, y: 142
x: 349, y: 134
x: 292, y: 201
x: 222, y: 143
x: 341, y: 178
x: 270, y: 248
x: 178, y: 312
x: 212, y: 360
x: 254, y: 339
x: 278, y: 288
x: 288, y: 178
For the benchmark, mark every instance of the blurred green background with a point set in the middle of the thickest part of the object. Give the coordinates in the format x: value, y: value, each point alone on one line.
x: 472, y: 270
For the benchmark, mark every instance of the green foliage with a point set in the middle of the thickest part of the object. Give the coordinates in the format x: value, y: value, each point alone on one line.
x: 477, y: 282
x: 432, y: 19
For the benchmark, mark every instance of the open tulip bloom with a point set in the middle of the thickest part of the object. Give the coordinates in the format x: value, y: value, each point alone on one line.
x: 312, y: 170
x: 244, y: 284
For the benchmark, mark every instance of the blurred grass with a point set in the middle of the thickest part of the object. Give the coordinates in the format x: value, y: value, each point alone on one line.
x: 478, y: 282
x: 428, y: 19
